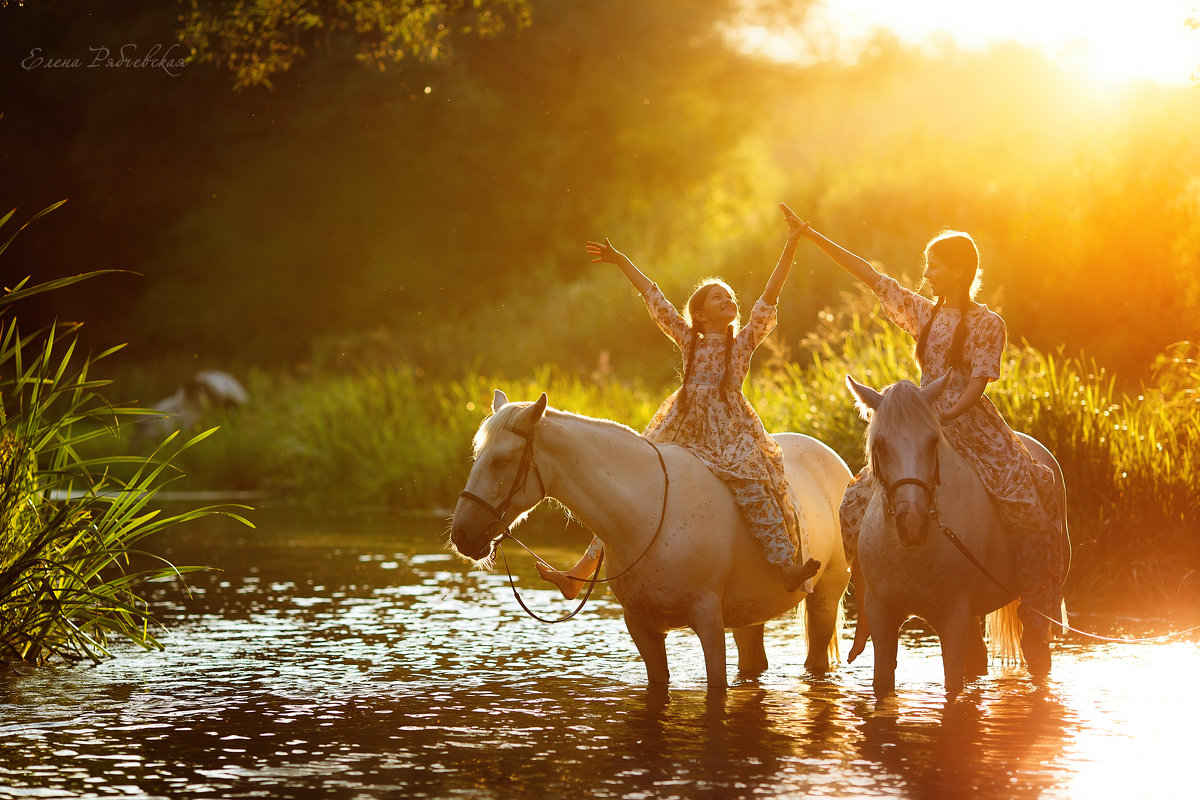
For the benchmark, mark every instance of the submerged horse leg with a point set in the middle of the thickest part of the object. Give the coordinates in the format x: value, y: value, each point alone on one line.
x: 652, y: 645
x: 954, y: 632
x: 1035, y: 642
x: 708, y: 621
x: 821, y: 612
x: 752, y: 655
x: 885, y: 631
x: 976, y: 665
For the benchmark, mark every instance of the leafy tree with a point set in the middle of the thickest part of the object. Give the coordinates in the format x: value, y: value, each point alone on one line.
x: 257, y: 40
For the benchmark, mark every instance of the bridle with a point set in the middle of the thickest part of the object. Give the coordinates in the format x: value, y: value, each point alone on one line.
x: 497, y: 528
x: 890, y: 487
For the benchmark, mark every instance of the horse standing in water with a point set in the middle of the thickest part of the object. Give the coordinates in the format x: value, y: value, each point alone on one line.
x: 702, y: 570
x: 911, y: 567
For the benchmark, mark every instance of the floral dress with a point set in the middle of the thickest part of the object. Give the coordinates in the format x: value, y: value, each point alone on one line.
x: 1023, y: 489
x: 726, y: 433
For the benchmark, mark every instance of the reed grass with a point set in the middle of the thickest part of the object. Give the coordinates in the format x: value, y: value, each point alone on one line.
x: 71, y: 565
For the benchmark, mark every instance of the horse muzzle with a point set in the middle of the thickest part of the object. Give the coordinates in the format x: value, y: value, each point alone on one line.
x: 912, y: 526
x: 476, y: 538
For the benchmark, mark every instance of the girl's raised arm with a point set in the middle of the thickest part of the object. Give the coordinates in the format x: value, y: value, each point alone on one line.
x: 856, y: 265
x: 796, y: 228
x: 609, y: 254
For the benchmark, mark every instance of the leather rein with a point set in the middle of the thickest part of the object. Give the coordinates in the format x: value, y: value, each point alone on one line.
x: 502, y: 531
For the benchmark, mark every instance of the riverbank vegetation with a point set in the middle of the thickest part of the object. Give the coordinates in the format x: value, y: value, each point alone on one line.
x: 396, y: 437
x: 71, y: 531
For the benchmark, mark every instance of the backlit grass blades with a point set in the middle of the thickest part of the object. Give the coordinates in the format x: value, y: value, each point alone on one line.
x: 70, y: 570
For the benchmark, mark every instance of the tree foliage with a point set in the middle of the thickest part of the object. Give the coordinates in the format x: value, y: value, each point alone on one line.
x: 257, y: 40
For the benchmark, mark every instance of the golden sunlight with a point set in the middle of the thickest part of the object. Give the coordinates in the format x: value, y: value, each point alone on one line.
x: 1107, y: 43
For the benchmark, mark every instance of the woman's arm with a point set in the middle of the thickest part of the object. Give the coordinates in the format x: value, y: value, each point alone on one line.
x: 796, y: 228
x: 969, y: 397
x: 607, y: 253
x: 856, y: 265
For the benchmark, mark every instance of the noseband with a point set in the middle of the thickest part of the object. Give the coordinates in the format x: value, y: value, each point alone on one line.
x: 496, y: 528
x: 890, y: 487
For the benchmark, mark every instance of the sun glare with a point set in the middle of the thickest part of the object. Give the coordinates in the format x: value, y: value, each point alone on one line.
x: 1109, y: 43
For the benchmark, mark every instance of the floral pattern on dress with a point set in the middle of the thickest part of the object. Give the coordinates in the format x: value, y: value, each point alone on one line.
x: 1024, y: 490
x: 726, y: 433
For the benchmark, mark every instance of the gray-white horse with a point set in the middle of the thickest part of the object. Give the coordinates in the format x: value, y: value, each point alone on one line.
x: 704, y: 570
x: 911, y: 567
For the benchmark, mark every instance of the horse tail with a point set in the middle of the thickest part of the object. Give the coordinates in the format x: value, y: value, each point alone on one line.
x: 1004, y: 633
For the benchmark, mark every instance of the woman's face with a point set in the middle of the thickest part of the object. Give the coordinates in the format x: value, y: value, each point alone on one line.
x: 718, y: 310
x: 943, y: 281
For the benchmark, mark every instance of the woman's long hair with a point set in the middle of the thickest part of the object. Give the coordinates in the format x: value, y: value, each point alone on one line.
x: 959, y: 252
x: 694, y: 305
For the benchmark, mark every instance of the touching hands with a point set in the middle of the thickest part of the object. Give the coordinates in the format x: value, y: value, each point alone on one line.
x: 796, y: 226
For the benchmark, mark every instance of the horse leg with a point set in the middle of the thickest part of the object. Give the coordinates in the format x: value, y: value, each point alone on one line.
x: 885, y: 631
x: 977, y: 657
x: 708, y: 621
x: 821, y: 609
x: 752, y: 655
x: 954, y: 632
x: 1035, y: 644
x: 652, y: 645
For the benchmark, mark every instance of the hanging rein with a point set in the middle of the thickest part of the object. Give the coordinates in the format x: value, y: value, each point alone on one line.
x: 500, y: 531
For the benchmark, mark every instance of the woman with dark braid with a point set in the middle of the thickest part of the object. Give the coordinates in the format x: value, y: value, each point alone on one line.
x: 956, y: 334
x: 711, y: 417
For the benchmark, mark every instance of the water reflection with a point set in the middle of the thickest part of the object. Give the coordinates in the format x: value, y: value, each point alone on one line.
x: 355, y: 658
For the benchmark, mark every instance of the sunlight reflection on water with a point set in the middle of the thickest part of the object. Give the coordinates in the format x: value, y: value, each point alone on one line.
x: 354, y: 658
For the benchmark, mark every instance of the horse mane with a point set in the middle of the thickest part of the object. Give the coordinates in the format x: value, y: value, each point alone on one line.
x: 503, y: 420
x: 903, y: 408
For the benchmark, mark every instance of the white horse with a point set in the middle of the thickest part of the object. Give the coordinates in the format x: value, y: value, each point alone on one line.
x: 911, y: 567
x: 704, y: 571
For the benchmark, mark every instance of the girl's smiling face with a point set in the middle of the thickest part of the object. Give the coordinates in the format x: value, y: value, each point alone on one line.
x: 718, y: 310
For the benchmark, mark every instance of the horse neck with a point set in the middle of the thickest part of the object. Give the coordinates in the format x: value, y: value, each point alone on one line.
x: 605, y: 474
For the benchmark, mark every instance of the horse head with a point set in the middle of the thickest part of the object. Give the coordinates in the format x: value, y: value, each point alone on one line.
x: 903, y: 436
x: 499, y: 490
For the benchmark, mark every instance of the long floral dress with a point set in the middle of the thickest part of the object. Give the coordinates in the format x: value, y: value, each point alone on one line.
x: 726, y: 433
x: 1023, y: 489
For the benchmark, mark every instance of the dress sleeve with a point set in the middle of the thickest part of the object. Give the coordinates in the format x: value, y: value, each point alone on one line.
x: 665, y: 315
x: 763, y: 318
x: 909, y: 310
x: 985, y: 345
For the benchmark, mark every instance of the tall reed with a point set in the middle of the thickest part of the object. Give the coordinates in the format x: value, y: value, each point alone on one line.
x: 69, y: 554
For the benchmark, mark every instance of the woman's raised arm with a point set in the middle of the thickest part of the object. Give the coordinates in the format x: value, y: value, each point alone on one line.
x: 856, y: 265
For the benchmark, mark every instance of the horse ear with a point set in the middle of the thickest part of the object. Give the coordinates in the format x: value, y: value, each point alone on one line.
x: 868, y: 398
x: 933, y: 390
x: 531, y: 415
x: 499, y: 400
x: 539, y: 408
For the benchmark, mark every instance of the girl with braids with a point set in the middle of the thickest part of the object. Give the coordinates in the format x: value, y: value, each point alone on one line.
x: 956, y: 334
x: 711, y: 417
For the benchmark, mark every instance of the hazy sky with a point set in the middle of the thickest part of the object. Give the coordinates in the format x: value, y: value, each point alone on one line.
x: 1110, y: 42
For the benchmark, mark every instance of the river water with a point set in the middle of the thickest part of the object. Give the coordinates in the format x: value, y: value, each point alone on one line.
x: 354, y: 657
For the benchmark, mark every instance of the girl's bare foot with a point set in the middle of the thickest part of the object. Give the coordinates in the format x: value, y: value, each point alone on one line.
x: 861, y: 634
x: 568, y: 585
x: 794, y: 575
x: 862, y: 631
